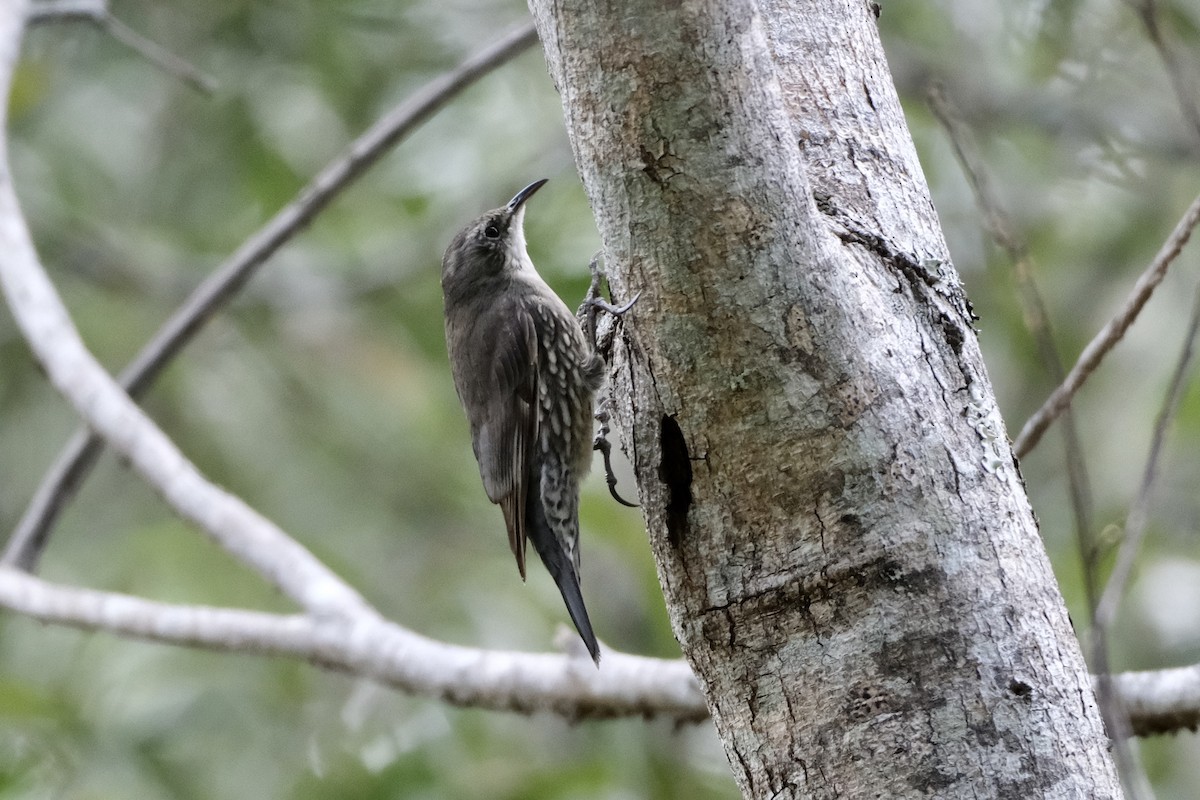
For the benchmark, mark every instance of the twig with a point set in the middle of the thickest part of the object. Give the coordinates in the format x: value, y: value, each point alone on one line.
x: 1037, y: 320
x: 75, y: 373
x: 77, y: 458
x: 1108, y: 337
x: 97, y: 13
x: 383, y: 651
x: 159, y: 56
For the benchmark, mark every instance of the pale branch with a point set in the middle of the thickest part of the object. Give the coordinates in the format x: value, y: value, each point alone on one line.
x: 74, y: 462
x: 1109, y: 335
x: 98, y: 13
x: 367, y: 646
x: 1160, y: 701
x: 75, y: 373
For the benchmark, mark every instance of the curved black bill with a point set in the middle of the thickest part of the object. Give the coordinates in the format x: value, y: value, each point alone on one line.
x: 520, y: 197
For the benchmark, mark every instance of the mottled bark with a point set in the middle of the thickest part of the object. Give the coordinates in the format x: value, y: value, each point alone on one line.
x: 848, y: 554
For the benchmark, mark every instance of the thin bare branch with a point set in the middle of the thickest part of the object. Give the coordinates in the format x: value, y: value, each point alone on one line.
x: 1109, y: 335
x: 76, y: 374
x: 97, y: 13
x: 1037, y: 320
x: 76, y: 459
x: 370, y: 647
x: 158, y: 55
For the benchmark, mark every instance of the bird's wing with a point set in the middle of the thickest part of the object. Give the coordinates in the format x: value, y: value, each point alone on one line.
x: 508, y: 432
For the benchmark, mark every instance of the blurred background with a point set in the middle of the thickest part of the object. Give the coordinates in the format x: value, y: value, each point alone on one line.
x: 323, y: 397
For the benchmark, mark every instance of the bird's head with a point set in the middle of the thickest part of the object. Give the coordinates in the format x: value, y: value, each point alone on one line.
x: 491, y: 245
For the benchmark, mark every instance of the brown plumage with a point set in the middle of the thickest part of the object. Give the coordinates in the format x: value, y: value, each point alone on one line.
x: 527, y: 378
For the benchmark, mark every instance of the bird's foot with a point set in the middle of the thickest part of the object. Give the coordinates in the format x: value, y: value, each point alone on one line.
x: 603, y: 305
x: 602, y: 444
x: 594, y: 302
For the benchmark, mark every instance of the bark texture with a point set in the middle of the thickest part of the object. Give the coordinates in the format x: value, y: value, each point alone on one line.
x: 849, y: 558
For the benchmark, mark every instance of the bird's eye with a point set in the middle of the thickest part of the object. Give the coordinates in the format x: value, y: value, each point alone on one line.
x: 491, y: 232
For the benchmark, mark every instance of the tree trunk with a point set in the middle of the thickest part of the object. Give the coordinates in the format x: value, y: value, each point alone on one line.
x: 849, y: 558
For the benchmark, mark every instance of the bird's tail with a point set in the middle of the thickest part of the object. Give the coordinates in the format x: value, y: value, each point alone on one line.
x: 561, y: 568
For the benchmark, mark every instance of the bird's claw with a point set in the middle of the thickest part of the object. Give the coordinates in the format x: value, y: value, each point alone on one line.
x: 602, y: 444
x: 617, y: 311
x: 605, y: 447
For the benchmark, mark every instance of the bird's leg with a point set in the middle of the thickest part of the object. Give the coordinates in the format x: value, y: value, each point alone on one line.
x: 592, y: 305
x: 602, y: 444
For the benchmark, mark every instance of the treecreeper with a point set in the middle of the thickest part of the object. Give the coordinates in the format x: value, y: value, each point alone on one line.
x: 527, y: 377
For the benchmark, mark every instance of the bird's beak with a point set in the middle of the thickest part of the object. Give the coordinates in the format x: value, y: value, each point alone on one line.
x: 520, y: 197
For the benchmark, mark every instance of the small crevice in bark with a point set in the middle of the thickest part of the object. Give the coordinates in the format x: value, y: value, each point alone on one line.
x: 675, y: 470
x: 821, y: 531
x: 629, y: 441
x: 920, y: 274
x: 746, y: 771
x: 954, y: 471
x: 933, y: 370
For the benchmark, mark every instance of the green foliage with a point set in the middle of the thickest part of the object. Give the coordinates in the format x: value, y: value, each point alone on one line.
x: 322, y: 394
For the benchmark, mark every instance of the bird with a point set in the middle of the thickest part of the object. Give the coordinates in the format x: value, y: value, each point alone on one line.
x: 526, y: 376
